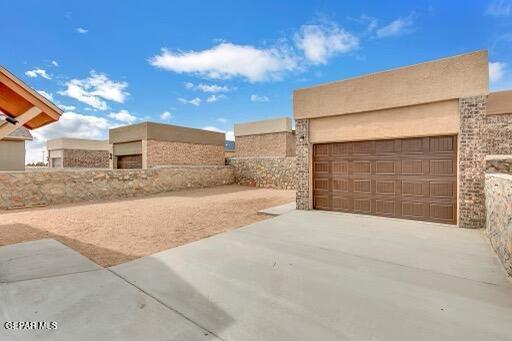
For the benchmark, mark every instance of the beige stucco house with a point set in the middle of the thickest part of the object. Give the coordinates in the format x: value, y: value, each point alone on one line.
x: 12, y: 149
x: 22, y: 108
x: 273, y: 137
x: 407, y: 143
x: 78, y: 153
x: 147, y: 145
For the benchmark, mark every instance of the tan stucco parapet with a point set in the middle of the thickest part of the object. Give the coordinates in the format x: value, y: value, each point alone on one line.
x: 276, y: 125
x: 73, y: 143
x: 449, y: 78
x: 165, y: 132
x: 499, y: 102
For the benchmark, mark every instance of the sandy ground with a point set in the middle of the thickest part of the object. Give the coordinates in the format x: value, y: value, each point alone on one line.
x: 115, y: 232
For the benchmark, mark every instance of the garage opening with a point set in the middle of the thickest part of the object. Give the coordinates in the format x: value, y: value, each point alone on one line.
x: 129, y: 161
x: 413, y: 178
x: 56, y: 162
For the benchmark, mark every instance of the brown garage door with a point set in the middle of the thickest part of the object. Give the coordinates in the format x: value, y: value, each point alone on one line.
x: 414, y: 178
x: 129, y: 161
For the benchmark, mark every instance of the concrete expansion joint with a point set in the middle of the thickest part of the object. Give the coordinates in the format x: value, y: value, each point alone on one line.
x: 51, y: 276
x: 165, y: 305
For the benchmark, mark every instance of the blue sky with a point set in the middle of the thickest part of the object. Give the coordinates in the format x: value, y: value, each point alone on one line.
x: 210, y: 64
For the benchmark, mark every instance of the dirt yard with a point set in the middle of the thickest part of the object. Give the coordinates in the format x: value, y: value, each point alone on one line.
x: 115, y: 232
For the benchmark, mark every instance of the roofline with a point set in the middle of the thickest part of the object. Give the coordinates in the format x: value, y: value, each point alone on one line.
x: 392, y: 69
x: 33, y: 92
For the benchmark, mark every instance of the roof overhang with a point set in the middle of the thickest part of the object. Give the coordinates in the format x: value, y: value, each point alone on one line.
x: 19, y: 101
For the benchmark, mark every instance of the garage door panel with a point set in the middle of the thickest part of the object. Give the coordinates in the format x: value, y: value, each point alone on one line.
x: 362, y: 186
x: 442, y: 167
x: 362, y: 167
x: 385, y: 207
x: 340, y: 167
x: 443, y: 189
x: 414, y: 167
x: 340, y: 185
x: 321, y: 202
x: 442, y: 144
x: 363, y: 205
x: 386, y: 187
x: 443, y: 211
x: 341, y: 204
x: 321, y: 167
x: 412, y: 178
x: 413, y: 188
x: 386, y: 167
x: 321, y: 184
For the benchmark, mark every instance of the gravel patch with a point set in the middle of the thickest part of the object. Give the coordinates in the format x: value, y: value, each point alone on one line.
x: 114, y: 232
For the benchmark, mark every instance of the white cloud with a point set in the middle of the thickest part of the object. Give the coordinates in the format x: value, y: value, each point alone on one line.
x: 123, y: 116
x: 397, y: 27
x: 95, y: 89
x: 196, y: 101
x: 82, y: 30
x: 500, y: 8
x: 320, y: 42
x: 37, y: 72
x: 222, y: 120
x: 212, y: 88
x: 230, y: 135
x: 67, y: 107
x: 257, y: 98
x: 227, y: 60
x: 54, y: 63
x: 46, y: 95
x: 496, y: 71
x: 165, y: 116
x: 70, y: 124
x: 215, y: 98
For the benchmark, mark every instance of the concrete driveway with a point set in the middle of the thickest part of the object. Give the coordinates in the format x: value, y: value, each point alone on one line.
x: 299, y: 276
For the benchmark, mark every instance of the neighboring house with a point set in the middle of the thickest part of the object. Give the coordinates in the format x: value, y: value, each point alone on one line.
x: 147, y: 144
x: 273, y: 137
x: 22, y: 108
x: 407, y: 143
x: 12, y: 149
x: 229, y: 148
x: 78, y: 153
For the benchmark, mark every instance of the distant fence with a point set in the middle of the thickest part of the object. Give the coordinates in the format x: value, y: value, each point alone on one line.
x: 44, y: 187
x: 268, y: 172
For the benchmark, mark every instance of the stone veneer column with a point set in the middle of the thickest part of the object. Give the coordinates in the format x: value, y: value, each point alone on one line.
x: 302, y: 151
x: 472, y: 151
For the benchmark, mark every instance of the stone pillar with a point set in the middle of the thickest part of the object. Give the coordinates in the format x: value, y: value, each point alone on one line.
x: 472, y: 152
x: 302, y: 149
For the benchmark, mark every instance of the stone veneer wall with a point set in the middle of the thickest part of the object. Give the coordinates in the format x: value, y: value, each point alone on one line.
x: 498, y: 134
x: 272, y: 144
x: 178, y: 153
x: 81, y: 158
x: 303, y: 150
x: 268, y: 172
x: 498, y: 200
x: 472, y: 152
x: 40, y: 188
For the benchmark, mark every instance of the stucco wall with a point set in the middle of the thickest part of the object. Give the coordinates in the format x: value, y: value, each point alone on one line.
x: 273, y: 144
x: 12, y: 155
x: 179, y: 153
x: 498, y: 199
x: 439, y: 80
x: 440, y: 118
x: 40, y: 188
x: 267, y: 172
